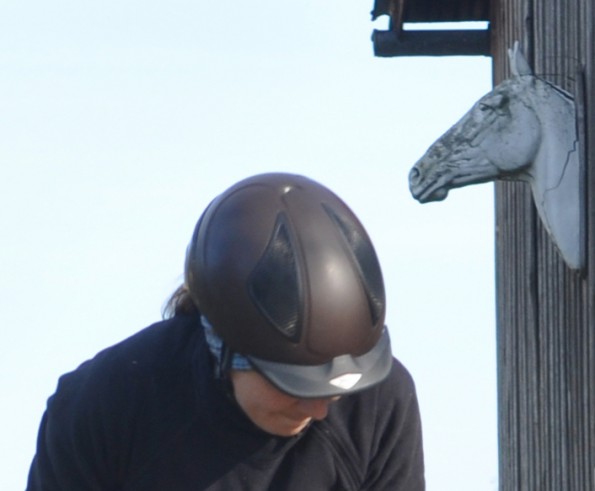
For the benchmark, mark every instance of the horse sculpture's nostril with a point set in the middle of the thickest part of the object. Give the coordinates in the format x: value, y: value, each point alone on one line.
x: 414, y: 175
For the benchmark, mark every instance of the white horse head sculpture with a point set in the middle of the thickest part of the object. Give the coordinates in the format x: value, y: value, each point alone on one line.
x: 525, y: 130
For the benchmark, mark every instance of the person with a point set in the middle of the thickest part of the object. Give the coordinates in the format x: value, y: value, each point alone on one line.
x: 272, y: 369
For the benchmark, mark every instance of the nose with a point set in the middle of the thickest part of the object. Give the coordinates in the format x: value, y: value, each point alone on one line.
x: 414, y: 176
x: 316, y: 408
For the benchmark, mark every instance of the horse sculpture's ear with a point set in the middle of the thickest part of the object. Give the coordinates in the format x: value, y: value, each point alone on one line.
x: 518, y: 63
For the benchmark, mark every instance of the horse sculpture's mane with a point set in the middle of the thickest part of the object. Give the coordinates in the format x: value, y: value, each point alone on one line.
x: 525, y: 129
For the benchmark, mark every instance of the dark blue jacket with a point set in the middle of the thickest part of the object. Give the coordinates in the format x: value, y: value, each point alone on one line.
x: 147, y: 414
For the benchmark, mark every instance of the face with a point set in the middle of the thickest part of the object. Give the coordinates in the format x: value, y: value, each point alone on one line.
x: 272, y: 410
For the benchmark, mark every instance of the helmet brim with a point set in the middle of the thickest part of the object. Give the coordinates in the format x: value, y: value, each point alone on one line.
x: 342, y: 375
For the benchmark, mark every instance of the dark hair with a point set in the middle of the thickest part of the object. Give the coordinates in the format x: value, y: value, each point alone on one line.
x: 179, y: 303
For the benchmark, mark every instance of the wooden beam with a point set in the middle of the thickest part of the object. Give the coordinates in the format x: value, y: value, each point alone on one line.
x: 432, y: 43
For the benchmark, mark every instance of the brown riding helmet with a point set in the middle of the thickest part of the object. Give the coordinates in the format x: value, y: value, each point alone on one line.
x: 288, y: 277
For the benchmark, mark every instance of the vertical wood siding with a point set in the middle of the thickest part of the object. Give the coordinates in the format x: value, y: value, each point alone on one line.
x: 546, y: 312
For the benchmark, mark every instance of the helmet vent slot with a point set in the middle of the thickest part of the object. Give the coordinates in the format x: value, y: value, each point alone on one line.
x: 274, y: 283
x: 365, y: 259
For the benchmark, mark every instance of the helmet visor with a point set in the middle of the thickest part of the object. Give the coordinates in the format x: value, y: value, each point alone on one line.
x: 344, y: 374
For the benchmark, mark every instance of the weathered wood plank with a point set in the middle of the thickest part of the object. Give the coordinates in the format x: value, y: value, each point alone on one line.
x: 546, y: 312
x: 431, y: 43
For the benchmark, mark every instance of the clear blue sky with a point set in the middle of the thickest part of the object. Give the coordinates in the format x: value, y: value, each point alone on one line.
x: 121, y: 120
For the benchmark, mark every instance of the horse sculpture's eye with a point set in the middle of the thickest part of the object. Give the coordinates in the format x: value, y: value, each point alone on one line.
x: 493, y: 103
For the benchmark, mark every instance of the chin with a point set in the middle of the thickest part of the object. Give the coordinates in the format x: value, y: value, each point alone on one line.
x: 288, y: 430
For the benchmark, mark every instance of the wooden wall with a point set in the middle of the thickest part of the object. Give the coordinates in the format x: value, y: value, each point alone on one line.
x: 546, y: 312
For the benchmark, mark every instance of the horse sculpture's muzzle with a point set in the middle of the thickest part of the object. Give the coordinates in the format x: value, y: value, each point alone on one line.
x: 423, y: 189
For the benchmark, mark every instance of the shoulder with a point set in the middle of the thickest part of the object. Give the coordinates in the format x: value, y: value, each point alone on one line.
x: 399, y: 383
x: 89, y: 433
x: 382, y: 426
x: 391, y: 395
x: 154, y: 345
x: 118, y: 372
x: 154, y: 342
x: 378, y: 415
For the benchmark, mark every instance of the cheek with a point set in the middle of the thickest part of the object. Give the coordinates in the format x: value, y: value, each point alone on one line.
x: 513, y: 146
x: 257, y: 397
x: 275, y: 402
x: 273, y: 413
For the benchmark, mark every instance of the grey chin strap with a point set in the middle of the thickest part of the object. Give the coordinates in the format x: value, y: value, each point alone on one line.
x: 223, y: 364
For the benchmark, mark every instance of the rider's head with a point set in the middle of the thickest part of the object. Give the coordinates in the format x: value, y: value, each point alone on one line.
x: 287, y: 276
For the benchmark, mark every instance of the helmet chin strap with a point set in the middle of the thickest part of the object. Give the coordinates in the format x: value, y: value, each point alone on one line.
x: 222, y: 371
x: 223, y: 363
